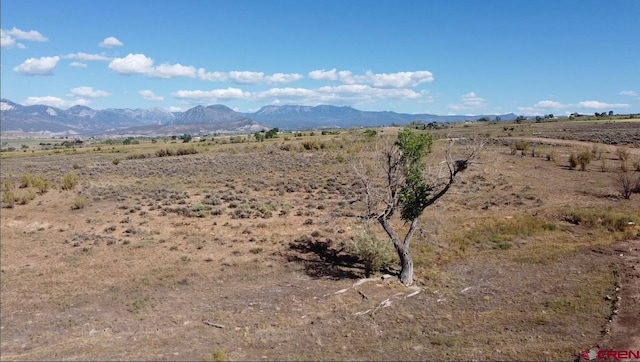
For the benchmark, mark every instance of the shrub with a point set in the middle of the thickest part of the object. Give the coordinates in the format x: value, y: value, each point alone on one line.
x: 311, y: 145
x: 522, y: 146
x: 623, y: 153
x: 116, y: 161
x: 603, y: 164
x: 138, y: 156
x: 608, y: 219
x: 373, y: 252
x: 79, y: 202
x: 25, y: 197
x: 551, y: 156
x: 573, y: 161
x: 26, y: 180
x: 186, y: 151
x: 164, y: 152
x: 69, y: 181
x: 200, y: 210
x: 8, y: 198
x: 41, y: 184
x: 625, y: 183
x: 584, y: 158
x: 370, y: 134
x: 596, y: 151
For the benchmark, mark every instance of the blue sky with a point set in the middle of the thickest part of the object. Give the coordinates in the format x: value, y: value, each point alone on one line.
x: 440, y: 57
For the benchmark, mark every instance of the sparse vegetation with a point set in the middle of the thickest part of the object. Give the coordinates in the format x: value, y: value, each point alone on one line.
x: 269, y: 231
x: 69, y: 181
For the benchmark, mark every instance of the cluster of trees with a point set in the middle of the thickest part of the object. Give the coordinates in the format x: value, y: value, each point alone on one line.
x: 262, y: 135
x: 546, y: 116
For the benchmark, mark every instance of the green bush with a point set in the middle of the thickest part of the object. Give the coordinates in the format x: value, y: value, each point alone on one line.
x: 372, y: 251
x: 608, y: 219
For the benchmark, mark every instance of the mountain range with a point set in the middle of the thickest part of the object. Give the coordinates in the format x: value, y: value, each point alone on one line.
x: 85, y: 121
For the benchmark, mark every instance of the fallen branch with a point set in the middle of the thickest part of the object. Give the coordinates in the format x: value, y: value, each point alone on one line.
x: 209, y: 323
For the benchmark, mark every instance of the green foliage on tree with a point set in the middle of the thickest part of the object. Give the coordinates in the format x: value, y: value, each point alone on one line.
x: 272, y: 133
x: 186, y: 138
x: 414, y: 193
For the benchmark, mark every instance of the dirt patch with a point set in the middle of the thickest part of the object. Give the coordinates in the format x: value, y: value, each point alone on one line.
x: 623, y: 333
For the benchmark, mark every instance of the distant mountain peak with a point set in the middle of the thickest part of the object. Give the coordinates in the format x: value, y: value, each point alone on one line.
x: 6, y: 106
x: 214, y: 118
x: 220, y: 107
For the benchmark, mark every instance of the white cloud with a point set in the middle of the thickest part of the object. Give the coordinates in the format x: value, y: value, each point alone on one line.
x: 280, y: 78
x: 383, y: 80
x: 628, y: 93
x: 8, y: 37
x: 141, y: 64
x: 175, y: 109
x: 212, y: 76
x: 86, y: 56
x: 6, y: 40
x: 469, y: 101
x: 54, y: 102
x: 600, y: 105
x: 287, y: 93
x: 30, y: 35
x: 246, y: 77
x: 212, y: 95
x: 150, y: 96
x: 132, y: 64
x: 39, y: 66
x: 400, y: 79
x: 342, y: 94
x: 21, y: 46
x: 77, y: 65
x: 332, y: 74
x: 546, y: 105
x: 549, y: 104
x: 110, y: 42
x: 172, y: 71
x: 87, y: 92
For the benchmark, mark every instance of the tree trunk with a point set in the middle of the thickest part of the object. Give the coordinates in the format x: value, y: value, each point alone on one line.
x: 406, y: 274
x: 402, y: 248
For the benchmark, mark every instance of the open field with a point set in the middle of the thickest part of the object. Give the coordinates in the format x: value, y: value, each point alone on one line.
x: 236, y: 251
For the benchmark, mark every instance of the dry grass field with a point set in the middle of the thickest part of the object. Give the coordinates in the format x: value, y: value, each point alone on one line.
x: 237, y: 251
